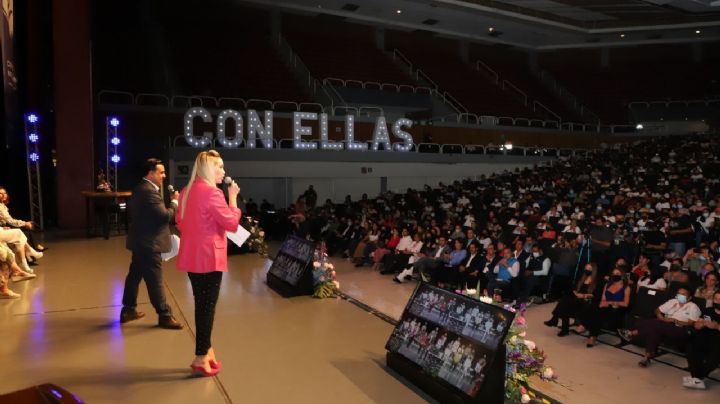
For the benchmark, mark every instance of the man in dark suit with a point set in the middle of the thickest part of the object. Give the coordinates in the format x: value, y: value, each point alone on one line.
x: 149, y: 236
x: 470, y: 271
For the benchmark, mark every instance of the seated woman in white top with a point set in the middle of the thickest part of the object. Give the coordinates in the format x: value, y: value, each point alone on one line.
x: 653, y: 280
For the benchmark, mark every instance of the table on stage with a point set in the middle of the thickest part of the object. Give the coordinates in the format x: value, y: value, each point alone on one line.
x: 103, y: 203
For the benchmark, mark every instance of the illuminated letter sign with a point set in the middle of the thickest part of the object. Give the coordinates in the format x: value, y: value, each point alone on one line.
x: 256, y: 129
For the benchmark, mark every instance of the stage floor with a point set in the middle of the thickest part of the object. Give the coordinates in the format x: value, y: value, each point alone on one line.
x: 64, y: 330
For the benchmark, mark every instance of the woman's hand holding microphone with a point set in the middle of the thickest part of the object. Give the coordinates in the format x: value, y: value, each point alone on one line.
x: 233, y: 191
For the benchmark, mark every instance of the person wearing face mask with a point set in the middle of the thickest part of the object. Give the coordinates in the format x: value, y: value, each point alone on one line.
x: 505, y: 271
x: 653, y: 242
x: 671, y: 325
x: 571, y: 305
x: 614, y: 302
x: 703, y: 353
x: 537, y: 266
x: 680, y: 233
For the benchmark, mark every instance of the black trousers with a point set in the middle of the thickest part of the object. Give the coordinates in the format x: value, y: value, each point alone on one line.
x: 146, y: 265
x: 703, y: 353
x: 206, y: 288
x: 594, y: 317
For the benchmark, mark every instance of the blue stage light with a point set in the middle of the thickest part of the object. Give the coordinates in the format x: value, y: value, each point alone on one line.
x: 115, y: 158
x: 34, y: 157
x: 114, y: 122
x: 32, y: 118
x: 115, y: 140
x: 33, y: 137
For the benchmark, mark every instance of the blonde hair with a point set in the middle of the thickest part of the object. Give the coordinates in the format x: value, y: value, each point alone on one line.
x: 203, y: 168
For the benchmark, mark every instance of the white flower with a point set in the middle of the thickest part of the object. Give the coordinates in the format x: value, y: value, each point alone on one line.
x: 486, y: 299
x: 470, y: 292
x: 530, y: 345
x: 337, y: 284
x: 548, y: 373
x: 329, y: 266
x: 525, y: 398
x: 522, y: 334
x: 316, y: 264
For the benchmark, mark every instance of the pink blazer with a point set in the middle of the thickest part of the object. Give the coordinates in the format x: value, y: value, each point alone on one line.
x: 203, y: 245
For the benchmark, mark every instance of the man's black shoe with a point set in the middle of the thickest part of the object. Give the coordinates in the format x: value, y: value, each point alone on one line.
x: 169, y: 322
x: 130, y: 315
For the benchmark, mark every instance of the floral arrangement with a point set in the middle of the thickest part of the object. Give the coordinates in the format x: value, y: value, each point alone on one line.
x: 324, y: 275
x: 523, y: 358
x: 256, y: 240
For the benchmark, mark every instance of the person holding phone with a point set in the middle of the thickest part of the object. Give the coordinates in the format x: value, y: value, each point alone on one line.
x: 204, y: 217
x: 703, y: 354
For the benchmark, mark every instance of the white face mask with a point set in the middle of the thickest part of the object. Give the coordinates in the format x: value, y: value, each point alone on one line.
x: 536, y: 254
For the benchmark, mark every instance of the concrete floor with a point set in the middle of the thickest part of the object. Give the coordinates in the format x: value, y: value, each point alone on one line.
x: 65, y: 330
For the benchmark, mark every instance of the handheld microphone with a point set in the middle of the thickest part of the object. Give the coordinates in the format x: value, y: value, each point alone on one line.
x: 227, y: 181
x: 171, y: 189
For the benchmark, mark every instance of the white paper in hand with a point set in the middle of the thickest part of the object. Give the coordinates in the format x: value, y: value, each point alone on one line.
x: 239, y: 236
x: 174, y: 249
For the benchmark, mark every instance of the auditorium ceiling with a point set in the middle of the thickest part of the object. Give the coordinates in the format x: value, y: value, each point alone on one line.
x: 611, y: 13
x: 531, y: 24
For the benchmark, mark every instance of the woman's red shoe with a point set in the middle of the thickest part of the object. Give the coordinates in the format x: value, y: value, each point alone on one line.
x: 200, y: 371
x: 215, y: 364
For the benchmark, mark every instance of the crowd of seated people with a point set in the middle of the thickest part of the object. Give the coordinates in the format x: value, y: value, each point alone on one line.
x: 17, y: 251
x: 595, y: 231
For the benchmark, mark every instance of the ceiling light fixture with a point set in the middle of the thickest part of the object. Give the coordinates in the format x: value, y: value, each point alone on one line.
x: 398, y: 11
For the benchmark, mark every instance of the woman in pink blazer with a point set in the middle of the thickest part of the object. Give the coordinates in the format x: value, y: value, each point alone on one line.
x: 203, y: 218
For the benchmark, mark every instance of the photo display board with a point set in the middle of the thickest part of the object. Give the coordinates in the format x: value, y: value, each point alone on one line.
x: 292, y: 260
x: 451, y: 337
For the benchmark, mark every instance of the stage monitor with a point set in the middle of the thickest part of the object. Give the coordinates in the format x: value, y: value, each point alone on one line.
x: 291, y: 262
x: 452, y: 338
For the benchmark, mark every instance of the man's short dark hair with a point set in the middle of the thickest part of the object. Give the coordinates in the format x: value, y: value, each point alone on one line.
x: 150, y: 165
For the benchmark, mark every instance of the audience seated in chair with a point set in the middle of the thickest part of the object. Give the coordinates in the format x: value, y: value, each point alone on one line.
x: 672, y: 325
x: 611, y: 310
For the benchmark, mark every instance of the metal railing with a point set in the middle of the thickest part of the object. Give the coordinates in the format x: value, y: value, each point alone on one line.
x: 419, y: 74
x: 482, y: 67
x: 570, y: 99
x: 668, y: 103
x: 461, y: 117
x: 547, y: 110
x: 374, y: 85
x: 436, y: 148
x: 523, y: 96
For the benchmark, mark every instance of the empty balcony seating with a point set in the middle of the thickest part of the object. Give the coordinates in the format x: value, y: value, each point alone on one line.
x: 218, y: 53
x: 440, y: 60
x: 647, y: 73
x: 513, y: 66
x: 334, y: 48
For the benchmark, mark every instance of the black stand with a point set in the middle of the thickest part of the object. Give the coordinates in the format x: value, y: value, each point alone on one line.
x: 304, y: 286
x: 492, y: 390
